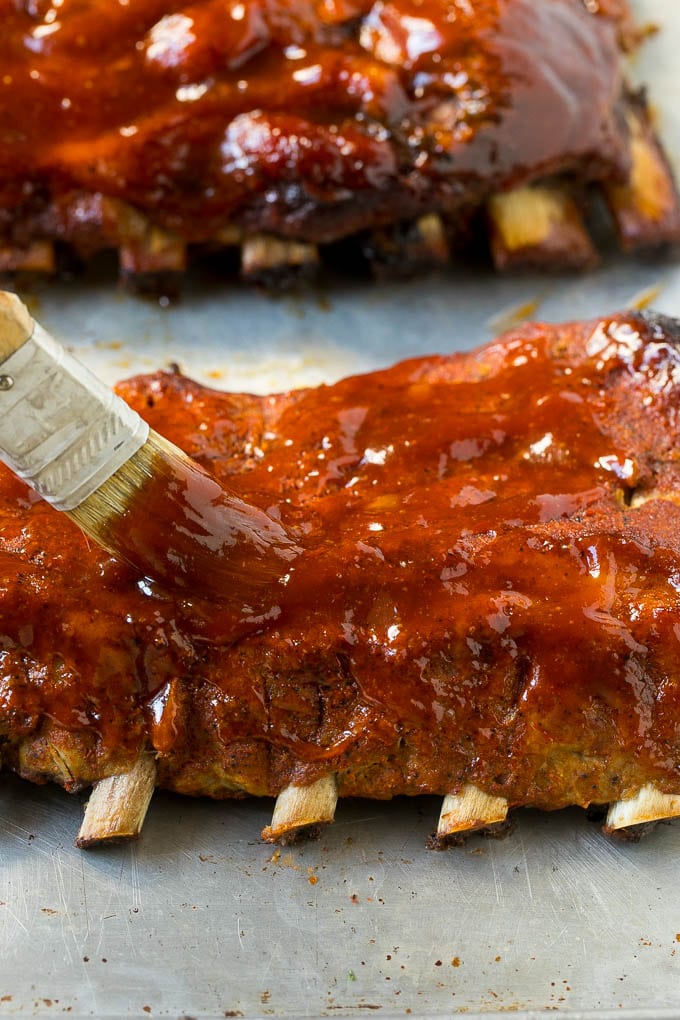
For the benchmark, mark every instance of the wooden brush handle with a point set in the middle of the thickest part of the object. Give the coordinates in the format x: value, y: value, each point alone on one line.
x: 61, y: 429
x: 16, y: 324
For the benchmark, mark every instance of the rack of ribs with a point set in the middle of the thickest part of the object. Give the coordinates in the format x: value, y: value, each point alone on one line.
x: 486, y: 606
x: 282, y: 128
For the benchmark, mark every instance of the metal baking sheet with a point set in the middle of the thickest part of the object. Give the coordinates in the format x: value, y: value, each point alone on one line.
x: 200, y: 919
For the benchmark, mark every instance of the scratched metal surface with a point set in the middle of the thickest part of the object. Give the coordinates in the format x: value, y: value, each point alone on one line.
x: 200, y: 919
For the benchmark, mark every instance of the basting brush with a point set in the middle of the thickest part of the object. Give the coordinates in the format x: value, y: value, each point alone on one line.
x: 86, y: 452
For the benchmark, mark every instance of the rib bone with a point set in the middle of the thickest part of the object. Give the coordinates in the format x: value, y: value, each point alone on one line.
x: 266, y: 259
x: 155, y: 252
x: 649, y: 805
x: 646, y: 210
x: 38, y: 257
x: 229, y: 236
x: 539, y: 226
x: 302, y: 807
x: 408, y: 248
x: 469, y: 810
x: 117, y: 806
x: 639, y: 498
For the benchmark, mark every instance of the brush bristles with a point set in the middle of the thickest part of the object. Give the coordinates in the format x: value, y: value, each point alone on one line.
x: 172, y: 521
x: 154, y: 459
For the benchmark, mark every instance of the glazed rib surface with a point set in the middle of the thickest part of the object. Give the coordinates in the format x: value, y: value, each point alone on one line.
x: 152, y: 125
x: 487, y: 593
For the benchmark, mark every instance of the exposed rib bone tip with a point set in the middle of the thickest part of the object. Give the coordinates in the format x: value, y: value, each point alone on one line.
x: 431, y: 230
x: 469, y: 810
x: 539, y: 225
x: 229, y: 236
x: 263, y: 254
x: 649, y: 805
x: 299, y: 808
x: 154, y: 252
x: 117, y: 806
x: 639, y: 498
x: 405, y: 248
x: 38, y: 257
x: 646, y: 210
x: 523, y: 218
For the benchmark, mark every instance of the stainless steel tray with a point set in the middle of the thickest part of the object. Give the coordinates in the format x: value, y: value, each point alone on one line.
x: 200, y: 919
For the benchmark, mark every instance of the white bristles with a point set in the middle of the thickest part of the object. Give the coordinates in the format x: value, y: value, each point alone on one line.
x: 96, y: 513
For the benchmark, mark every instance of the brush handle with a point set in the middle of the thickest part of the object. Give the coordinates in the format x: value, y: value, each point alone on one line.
x: 61, y: 429
x: 16, y: 324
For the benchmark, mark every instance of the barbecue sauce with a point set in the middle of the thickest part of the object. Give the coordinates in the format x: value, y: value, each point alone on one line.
x: 185, y: 530
x: 487, y: 592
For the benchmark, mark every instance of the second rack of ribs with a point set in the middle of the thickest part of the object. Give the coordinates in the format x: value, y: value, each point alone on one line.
x: 149, y: 127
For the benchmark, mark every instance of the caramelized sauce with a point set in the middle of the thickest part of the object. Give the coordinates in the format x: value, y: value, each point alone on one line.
x: 278, y: 113
x: 479, y: 596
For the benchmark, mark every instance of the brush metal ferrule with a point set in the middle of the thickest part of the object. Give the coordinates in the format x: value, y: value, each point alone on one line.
x: 61, y: 429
